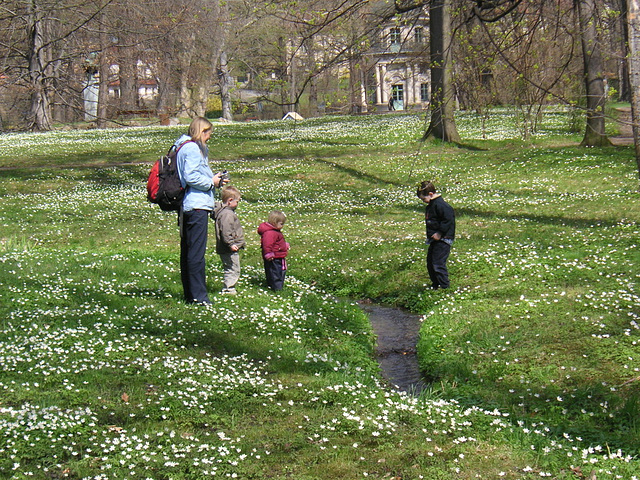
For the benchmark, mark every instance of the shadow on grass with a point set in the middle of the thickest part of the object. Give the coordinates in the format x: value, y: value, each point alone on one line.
x: 357, y: 173
x: 537, y: 219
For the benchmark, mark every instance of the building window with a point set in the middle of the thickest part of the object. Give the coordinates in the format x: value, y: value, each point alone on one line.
x: 486, y: 76
x: 418, y: 34
x: 395, y: 36
x: 424, y: 92
x: 397, y: 92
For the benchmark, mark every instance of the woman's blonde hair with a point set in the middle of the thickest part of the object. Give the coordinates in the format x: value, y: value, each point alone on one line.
x: 276, y: 217
x: 198, y: 126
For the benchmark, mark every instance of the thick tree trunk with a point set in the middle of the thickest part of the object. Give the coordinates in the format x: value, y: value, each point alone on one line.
x: 103, y: 93
x: 442, y: 125
x: 595, y: 135
x: 128, y: 80
x: 183, y: 107
x: 184, y: 95
x: 633, y: 24
x: 40, y: 110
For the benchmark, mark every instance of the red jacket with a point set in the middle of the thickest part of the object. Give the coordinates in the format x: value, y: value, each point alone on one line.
x: 272, y: 241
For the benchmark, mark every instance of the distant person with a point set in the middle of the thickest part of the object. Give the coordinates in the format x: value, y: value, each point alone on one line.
x: 229, y: 237
x: 274, y: 249
x: 391, y: 104
x: 440, y: 223
x: 199, y: 183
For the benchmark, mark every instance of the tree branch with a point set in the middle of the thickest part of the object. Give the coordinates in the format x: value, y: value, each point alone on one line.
x: 494, y: 10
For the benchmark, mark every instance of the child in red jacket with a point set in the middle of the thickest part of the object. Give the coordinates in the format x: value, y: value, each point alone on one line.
x: 274, y: 249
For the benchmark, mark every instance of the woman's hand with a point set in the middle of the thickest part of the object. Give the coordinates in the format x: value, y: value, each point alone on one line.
x: 218, y: 181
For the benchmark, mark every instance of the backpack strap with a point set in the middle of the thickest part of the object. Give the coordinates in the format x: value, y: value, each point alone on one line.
x: 177, y: 149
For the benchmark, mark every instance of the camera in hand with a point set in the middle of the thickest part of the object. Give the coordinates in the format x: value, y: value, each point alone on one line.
x: 224, y: 177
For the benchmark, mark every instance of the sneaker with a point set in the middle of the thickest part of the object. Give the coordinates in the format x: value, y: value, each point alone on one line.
x: 199, y: 302
x: 229, y: 291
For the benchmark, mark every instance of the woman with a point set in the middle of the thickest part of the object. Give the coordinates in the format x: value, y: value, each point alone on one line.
x: 199, y: 183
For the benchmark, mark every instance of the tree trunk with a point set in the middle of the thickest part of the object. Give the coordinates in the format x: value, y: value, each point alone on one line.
x: 633, y: 24
x: 40, y: 110
x: 222, y: 60
x: 293, y: 85
x: 199, y: 95
x: 363, y: 90
x: 128, y: 80
x: 354, y: 90
x: 283, y: 75
x: 595, y: 135
x: 184, y: 95
x: 103, y: 73
x: 183, y: 108
x: 623, y: 68
x: 442, y: 125
x: 224, y: 80
x: 313, y: 98
x: 311, y: 71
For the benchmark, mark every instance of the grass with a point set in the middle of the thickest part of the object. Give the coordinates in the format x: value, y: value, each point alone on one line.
x: 532, y: 354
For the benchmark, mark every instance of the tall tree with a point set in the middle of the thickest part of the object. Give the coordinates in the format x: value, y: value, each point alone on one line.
x: 442, y: 125
x: 38, y: 57
x: 593, y: 74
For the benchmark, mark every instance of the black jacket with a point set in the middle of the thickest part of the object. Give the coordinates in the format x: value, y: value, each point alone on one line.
x: 440, y: 217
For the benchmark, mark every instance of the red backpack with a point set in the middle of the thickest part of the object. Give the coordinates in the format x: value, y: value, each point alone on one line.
x: 163, y: 184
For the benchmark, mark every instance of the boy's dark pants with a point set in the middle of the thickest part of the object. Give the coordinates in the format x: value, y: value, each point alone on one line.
x: 193, y: 245
x: 437, y: 256
x: 275, y: 272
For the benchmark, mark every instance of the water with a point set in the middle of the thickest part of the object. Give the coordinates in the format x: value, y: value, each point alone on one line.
x: 397, y: 332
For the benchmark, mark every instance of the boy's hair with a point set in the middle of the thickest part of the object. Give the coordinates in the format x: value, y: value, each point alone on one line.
x: 425, y: 189
x: 276, y: 217
x: 230, y: 193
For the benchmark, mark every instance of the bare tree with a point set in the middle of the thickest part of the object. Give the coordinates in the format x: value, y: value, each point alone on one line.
x: 300, y: 52
x: 38, y: 57
x: 51, y: 41
x: 442, y: 124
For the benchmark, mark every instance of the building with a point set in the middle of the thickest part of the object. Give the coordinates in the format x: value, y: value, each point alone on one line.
x: 402, y: 76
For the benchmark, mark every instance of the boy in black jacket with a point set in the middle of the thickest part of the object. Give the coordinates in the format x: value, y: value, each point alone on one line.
x: 440, y: 221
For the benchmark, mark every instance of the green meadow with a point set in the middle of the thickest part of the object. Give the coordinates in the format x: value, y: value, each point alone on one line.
x: 532, y: 355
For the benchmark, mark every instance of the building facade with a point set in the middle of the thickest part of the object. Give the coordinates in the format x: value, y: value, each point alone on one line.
x: 402, y: 76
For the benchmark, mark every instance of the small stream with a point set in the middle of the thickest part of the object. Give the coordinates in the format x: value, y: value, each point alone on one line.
x: 397, y: 332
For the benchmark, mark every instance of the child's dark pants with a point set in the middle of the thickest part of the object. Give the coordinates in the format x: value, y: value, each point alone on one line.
x: 275, y: 271
x: 437, y: 256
